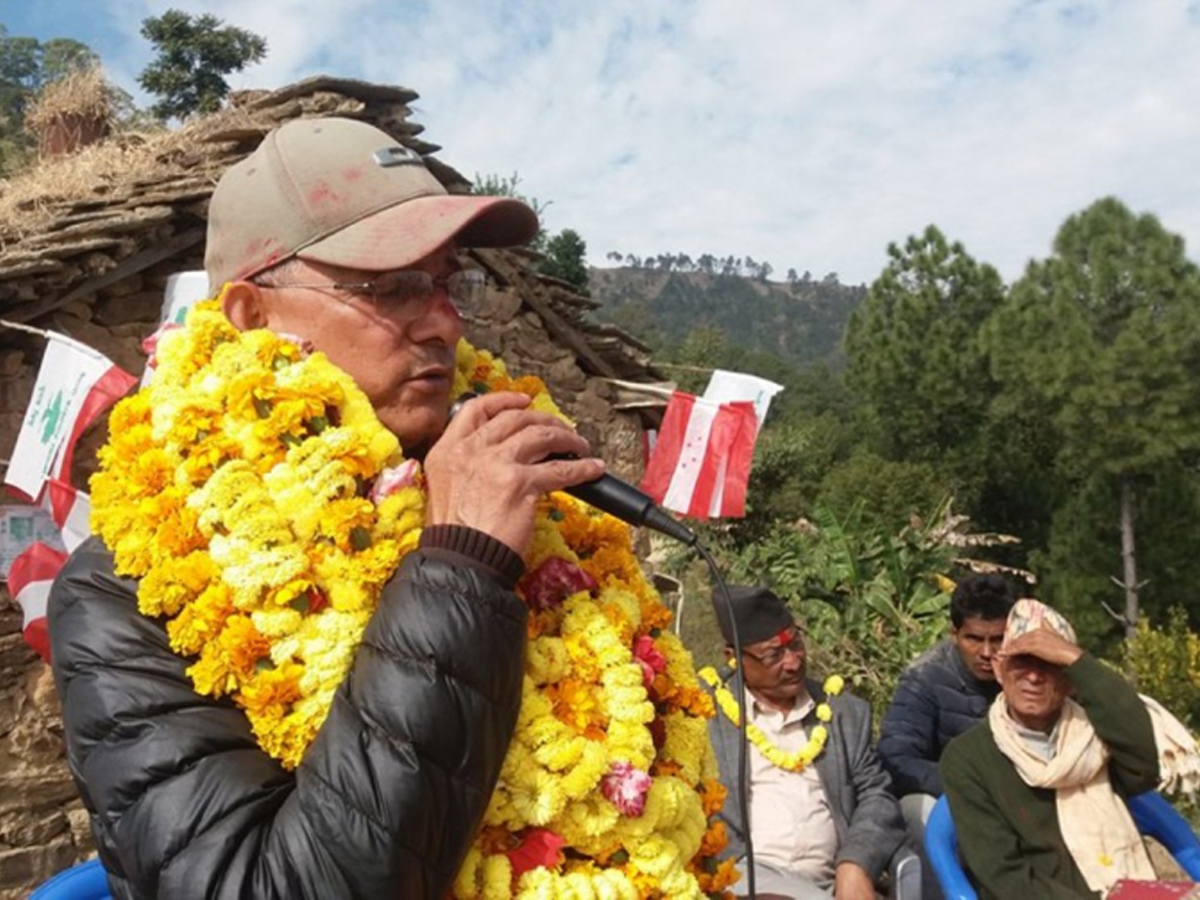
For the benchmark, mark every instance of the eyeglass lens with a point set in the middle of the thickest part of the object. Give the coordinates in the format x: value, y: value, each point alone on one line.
x: 775, y: 655
x: 398, y: 290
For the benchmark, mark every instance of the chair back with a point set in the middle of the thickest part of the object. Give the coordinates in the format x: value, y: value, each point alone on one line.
x: 85, y: 881
x: 1154, y: 816
x: 941, y: 849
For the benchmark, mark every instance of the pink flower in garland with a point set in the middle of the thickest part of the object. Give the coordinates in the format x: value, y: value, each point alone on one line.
x: 626, y: 787
x: 649, y: 658
x: 395, y: 479
x: 547, y: 586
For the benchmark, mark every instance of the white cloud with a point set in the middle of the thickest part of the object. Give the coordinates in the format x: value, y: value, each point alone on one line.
x: 803, y: 132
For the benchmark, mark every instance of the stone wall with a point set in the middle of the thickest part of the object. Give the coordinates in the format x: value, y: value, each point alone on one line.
x: 43, y: 827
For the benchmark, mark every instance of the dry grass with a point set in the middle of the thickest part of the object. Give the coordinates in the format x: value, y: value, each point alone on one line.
x: 83, y: 94
x: 36, y: 195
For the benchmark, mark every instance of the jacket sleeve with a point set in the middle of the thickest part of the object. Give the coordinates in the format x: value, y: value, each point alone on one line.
x: 385, y: 801
x: 908, y: 740
x: 876, y: 828
x: 1122, y: 722
x: 989, y: 846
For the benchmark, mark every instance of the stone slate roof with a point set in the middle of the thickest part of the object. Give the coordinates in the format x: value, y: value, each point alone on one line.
x: 85, y: 230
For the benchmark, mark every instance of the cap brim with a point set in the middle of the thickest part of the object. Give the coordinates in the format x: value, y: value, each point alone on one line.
x: 407, y: 232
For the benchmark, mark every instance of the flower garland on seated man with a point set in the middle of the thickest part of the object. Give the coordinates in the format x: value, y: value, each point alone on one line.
x: 795, y: 760
x: 255, y: 494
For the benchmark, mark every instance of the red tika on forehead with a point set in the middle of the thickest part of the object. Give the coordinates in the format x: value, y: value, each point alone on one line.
x: 785, y: 636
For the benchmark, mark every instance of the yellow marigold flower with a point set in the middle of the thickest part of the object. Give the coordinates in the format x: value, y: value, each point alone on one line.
x: 467, y: 881
x: 834, y: 685
x: 497, y: 878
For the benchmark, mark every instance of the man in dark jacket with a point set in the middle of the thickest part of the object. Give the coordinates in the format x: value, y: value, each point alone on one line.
x: 829, y: 829
x: 942, y: 694
x: 332, y: 233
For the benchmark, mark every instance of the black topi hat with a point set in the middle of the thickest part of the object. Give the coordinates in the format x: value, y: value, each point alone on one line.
x: 759, y: 613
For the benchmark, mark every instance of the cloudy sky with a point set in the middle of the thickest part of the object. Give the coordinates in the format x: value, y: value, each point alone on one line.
x: 808, y: 133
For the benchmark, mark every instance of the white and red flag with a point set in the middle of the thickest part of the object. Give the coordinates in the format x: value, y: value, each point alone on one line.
x: 74, y: 385
x: 700, y: 465
x: 29, y: 580
x: 699, y: 462
x: 184, y: 290
x: 70, y: 509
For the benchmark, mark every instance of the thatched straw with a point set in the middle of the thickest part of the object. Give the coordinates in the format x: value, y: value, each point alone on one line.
x: 82, y: 95
x: 35, y: 195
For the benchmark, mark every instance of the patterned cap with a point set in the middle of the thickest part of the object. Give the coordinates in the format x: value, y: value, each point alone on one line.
x: 1029, y: 615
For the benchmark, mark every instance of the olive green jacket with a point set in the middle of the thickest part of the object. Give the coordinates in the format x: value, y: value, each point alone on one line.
x: 1008, y: 832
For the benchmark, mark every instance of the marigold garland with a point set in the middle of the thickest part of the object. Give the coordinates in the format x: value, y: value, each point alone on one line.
x: 253, y: 491
x: 795, y: 760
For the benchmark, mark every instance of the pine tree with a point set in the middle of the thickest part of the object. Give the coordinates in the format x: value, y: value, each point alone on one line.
x: 914, y: 353
x: 1106, y: 334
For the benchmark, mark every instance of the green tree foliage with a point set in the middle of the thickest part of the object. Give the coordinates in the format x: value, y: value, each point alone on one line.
x: 1165, y: 663
x: 566, y: 259
x: 194, y: 56
x: 888, y: 492
x: 797, y: 325
x: 1105, y: 335
x: 26, y: 66
x: 914, y: 355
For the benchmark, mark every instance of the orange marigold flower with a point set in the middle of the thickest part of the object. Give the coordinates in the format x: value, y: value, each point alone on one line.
x: 575, y: 704
x: 243, y: 645
x: 712, y: 796
x: 528, y: 384
x: 715, y: 839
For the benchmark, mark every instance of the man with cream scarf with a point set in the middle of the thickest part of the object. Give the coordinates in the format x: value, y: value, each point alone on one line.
x: 1037, y: 790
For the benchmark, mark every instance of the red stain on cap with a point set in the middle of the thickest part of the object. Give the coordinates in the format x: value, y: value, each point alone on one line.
x: 322, y: 193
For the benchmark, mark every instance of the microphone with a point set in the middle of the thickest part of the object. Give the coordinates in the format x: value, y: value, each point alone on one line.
x: 617, y: 498
x: 621, y: 499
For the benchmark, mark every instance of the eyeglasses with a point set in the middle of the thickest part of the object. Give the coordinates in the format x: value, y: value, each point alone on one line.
x: 405, y: 294
x: 775, y: 656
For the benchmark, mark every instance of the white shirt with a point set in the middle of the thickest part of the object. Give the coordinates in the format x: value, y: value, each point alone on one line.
x: 790, y: 819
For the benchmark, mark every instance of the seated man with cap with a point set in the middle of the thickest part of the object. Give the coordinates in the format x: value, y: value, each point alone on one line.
x: 1037, y: 790
x: 823, y: 820
x: 336, y: 239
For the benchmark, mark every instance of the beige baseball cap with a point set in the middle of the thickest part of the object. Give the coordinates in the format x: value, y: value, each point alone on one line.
x: 343, y: 192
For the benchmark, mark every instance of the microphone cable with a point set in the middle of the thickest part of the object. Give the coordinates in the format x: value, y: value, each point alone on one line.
x: 743, y: 779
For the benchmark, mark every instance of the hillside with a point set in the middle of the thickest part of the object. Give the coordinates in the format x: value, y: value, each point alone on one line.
x: 800, y: 323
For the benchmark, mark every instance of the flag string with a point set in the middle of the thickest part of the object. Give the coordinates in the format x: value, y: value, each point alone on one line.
x: 18, y: 326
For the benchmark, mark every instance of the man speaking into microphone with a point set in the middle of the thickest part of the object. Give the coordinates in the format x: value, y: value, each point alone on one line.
x: 335, y: 236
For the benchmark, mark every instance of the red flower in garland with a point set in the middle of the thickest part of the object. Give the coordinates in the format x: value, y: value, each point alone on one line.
x: 538, y: 847
x: 649, y: 658
x: 547, y: 586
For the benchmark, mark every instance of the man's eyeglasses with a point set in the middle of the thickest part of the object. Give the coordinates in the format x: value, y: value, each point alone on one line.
x: 404, y: 294
x: 775, y: 656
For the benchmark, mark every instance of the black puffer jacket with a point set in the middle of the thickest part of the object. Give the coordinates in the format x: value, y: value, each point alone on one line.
x: 936, y: 700
x: 387, y: 799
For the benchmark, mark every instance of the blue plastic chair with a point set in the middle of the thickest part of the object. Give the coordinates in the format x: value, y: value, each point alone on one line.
x: 85, y: 881
x: 1151, y: 812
